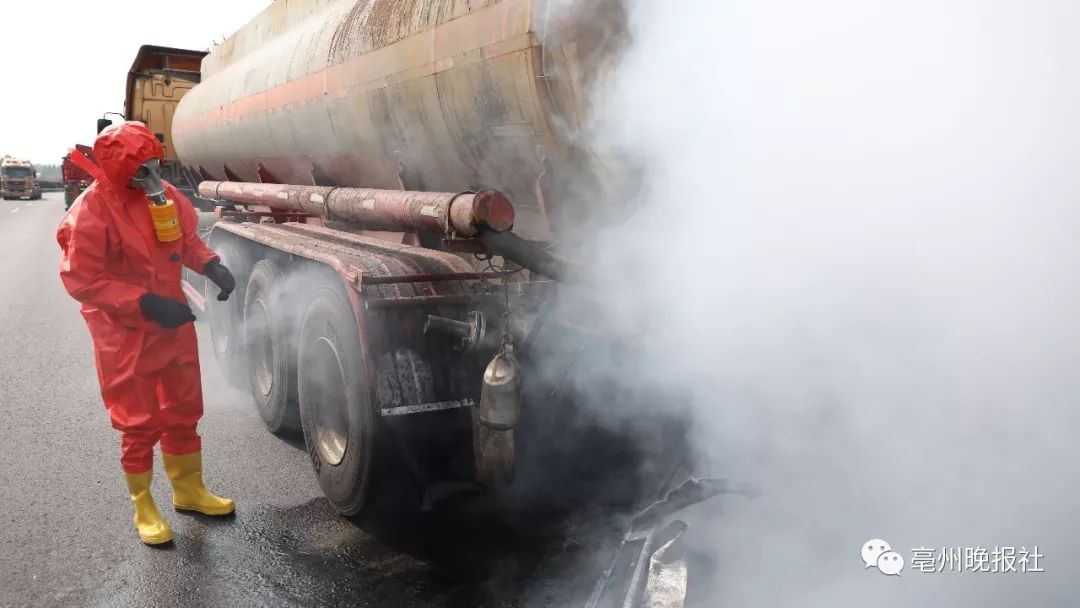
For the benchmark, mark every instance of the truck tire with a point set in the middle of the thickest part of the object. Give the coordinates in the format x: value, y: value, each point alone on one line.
x: 270, y: 353
x: 226, y: 318
x: 335, y: 400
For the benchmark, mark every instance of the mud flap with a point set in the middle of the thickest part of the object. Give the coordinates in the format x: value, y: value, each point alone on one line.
x: 665, y: 585
x: 650, y: 567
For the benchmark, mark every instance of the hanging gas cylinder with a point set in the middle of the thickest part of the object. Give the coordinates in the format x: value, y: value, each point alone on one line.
x: 496, y: 414
x: 500, y: 397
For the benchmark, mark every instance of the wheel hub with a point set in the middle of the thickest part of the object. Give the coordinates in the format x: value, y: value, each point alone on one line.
x: 262, y: 348
x: 328, y: 390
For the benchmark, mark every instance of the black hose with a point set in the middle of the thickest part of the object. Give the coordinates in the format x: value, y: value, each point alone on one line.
x: 524, y: 253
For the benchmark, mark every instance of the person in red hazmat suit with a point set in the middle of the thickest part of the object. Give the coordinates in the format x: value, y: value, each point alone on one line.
x: 125, y: 241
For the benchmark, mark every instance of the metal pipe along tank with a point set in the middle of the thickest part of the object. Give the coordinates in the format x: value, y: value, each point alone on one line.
x: 463, y: 213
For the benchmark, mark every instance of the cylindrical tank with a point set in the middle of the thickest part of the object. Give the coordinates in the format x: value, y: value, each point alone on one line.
x: 440, y: 95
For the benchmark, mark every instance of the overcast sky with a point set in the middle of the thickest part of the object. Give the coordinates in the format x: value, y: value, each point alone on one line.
x: 66, y: 63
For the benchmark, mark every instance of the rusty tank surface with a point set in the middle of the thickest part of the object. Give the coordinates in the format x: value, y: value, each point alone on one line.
x: 441, y: 95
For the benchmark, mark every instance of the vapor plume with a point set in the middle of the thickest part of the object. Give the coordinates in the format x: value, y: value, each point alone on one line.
x: 856, y: 249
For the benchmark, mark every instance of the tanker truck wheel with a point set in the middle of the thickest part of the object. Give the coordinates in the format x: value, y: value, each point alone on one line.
x: 226, y: 318
x: 271, y: 360
x: 335, y: 400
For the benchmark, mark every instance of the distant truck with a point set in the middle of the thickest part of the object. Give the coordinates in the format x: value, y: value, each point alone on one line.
x: 76, y: 180
x: 18, y: 179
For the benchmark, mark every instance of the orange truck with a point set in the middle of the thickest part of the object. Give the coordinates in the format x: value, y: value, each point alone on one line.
x: 158, y: 79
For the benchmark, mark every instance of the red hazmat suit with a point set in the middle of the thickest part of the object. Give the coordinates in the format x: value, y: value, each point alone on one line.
x: 149, y: 375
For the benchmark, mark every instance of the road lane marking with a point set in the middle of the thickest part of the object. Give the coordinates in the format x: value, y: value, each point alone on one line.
x: 15, y: 209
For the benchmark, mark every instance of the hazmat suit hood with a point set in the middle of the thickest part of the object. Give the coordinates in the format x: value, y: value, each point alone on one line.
x: 121, y: 149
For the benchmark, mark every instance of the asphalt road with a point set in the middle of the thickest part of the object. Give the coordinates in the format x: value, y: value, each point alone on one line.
x: 66, y: 536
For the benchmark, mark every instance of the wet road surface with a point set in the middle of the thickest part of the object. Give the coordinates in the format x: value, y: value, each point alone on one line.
x: 66, y: 537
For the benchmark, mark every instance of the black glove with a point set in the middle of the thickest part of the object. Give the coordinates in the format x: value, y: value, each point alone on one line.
x: 220, y: 275
x: 166, y: 312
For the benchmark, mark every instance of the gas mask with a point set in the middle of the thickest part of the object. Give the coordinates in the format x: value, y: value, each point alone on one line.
x: 148, y: 179
x: 162, y: 209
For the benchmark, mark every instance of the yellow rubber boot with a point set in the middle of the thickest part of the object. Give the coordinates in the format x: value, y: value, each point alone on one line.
x: 189, y: 492
x: 152, y: 529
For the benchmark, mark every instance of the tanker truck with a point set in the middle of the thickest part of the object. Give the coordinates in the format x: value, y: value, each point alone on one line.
x: 392, y: 181
x: 401, y: 188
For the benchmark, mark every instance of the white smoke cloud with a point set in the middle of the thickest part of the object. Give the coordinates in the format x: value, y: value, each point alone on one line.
x: 858, y: 250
